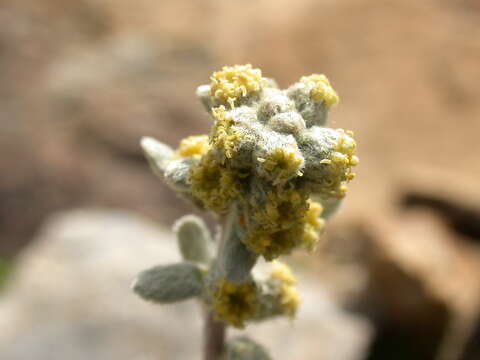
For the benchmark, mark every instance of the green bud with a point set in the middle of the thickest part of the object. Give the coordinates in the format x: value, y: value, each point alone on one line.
x: 194, y: 239
x: 169, y: 283
x: 244, y: 348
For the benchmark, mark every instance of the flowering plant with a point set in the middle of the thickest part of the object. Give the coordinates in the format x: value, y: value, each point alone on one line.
x: 273, y: 173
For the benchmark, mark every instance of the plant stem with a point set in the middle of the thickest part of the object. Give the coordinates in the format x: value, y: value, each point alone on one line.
x: 214, y: 338
x: 215, y: 331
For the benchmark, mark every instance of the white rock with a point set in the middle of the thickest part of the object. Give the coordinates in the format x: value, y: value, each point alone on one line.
x: 70, y: 298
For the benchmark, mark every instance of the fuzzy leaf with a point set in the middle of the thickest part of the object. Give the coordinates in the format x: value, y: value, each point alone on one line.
x: 169, y: 283
x: 194, y: 239
x: 157, y: 153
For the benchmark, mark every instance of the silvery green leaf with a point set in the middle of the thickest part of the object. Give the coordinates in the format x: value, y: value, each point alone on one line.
x: 244, y: 348
x: 203, y: 93
x: 177, y: 174
x: 194, y: 239
x: 169, y: 283
x: 157, y: 153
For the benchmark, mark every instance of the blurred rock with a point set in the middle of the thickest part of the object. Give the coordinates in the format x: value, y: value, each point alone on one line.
x: 423, y: 283
x: 70, y: 299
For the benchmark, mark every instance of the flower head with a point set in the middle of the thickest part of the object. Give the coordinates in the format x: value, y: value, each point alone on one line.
x: 268, y: 152
x: 233, y: 83
x: 235, y: 304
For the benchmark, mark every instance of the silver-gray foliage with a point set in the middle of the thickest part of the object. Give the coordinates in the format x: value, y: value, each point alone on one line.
x: 169, y: 283
x: 194, y: 239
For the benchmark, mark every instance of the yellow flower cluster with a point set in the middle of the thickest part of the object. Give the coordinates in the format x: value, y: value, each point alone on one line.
x: 289, y: 296
x: 235, y: 304
x: 273, y: 244
x: 322, y: 90
x: 223, y: 137
x: 344, y: 158
x: 214, y: 183
x: 282, y: 272
x: 282, y: 164
x: 235, y: 82
x: 279, y: 215
x: 287, y: 220
x: 212, y: 180
x: 314, y: 225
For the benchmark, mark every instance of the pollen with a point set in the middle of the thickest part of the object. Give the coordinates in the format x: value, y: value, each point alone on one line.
x: 235, y: 304
x: 194, y: 146
x: 282, y: 209
x: 290, y: 299
x: 233, y: 83
x: 223, y: 136
x: 213, y: 183
x: 288, y: 295
x: 322, y: 90
x: 282, y: 272
x: 283, y: 164
x: 273, y: 244
x: 314, y: 225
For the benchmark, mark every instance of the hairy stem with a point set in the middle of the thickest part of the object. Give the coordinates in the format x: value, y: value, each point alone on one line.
x: 215, y: 331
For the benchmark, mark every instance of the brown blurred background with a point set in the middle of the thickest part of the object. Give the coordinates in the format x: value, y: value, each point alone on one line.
x: 82, y: 80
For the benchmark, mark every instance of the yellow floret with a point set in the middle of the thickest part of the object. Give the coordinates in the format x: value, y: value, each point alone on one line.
x: 289, y: 296
x: 314, y: 225
x: 282, y: 272
x: 286, y: 221
x: 283, y: 164
x: 322, y: 90
x: 290, y: 299
x: 340, y: 161
x: 213, y: 183
x: 235, y: 82
x: 235, y: 304
x: 194, y: 146
x: 344, y: 157
x: 223, y: 136
x: 272, y: 244
x: 278, y: 222
x: 282, y: 209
